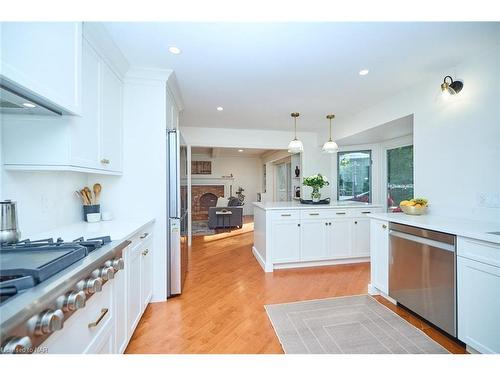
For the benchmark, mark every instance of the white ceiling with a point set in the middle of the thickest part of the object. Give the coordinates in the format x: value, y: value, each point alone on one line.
x: 390, y: 130
x: 215, y: 152
x: 260, y: 72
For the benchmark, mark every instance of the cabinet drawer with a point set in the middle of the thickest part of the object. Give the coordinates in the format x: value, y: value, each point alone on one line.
x: 285, y: 215
x: 481, y: 251
x: 361, y: 212
x: 76, y: 328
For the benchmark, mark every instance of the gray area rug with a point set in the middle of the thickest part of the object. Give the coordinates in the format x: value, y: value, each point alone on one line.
x: 346, y: 325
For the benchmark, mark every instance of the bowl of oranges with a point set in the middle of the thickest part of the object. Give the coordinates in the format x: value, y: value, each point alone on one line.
x: 415, y: 206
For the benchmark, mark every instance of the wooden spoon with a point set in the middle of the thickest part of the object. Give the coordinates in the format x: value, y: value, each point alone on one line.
x: 83, y: 193
x: 89, y: 194
x: 97, y: 192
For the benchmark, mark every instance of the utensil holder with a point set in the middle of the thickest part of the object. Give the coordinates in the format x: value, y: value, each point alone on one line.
x: 91, y: 209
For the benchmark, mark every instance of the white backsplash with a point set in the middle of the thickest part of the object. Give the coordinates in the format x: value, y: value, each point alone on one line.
x: 45, y: 200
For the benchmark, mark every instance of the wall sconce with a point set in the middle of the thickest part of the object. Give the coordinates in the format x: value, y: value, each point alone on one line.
x: 451, y: 88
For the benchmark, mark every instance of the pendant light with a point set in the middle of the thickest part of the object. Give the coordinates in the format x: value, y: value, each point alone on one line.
x: 295, y: 145
x: 331, y: 146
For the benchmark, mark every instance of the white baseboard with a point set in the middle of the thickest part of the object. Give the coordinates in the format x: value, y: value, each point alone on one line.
x: 320, y: 263
x: 261, y: 261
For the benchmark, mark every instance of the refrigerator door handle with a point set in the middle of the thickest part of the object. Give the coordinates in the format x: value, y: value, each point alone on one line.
x: 173, y: 171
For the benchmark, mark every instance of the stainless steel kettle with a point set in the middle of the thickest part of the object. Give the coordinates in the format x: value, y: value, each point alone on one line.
x: 8, y: 222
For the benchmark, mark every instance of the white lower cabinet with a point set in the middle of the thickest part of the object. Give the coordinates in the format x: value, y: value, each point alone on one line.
x: 318, y: 235
x: 314, y: 238
x: 340, y: 238
x: 478, y: 295
x: 134, y: 303
x: 146, y: 272
x: 286, y: 240
x: 379, y: 254
x: 115, y: 311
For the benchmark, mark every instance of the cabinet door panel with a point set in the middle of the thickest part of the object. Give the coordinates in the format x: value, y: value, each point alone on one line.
x: 379, y: 255
x: 85, y: 129
x: 121, y: 323
x: 134, y: 288
x: 44, y: 58
x: 361, y: 237
x: 286, y: 241
x: 146, y: 272
x: 478, y: 299
x: 111, y: 127
x: 340, y: 238
x: 314, y: 241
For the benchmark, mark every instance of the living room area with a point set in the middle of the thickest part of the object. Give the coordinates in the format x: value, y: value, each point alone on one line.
x: 225, y: 181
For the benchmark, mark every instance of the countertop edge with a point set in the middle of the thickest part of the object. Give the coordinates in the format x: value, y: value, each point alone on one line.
x: 450, y: 228
x: 299, y: 206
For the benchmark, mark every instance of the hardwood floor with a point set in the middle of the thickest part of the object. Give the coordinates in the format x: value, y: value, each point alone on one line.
x: 222, y: 307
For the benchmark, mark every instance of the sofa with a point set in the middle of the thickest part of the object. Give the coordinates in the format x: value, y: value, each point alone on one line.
x: 230, y: 221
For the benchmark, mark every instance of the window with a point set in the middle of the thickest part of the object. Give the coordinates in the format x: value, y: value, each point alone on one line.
x: 399, y: 176
x: 354, y: 176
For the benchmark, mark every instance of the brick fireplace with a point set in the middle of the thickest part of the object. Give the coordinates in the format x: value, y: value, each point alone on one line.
x: 203, y: 197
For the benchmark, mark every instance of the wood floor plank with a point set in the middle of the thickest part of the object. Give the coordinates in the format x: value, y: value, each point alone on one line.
x: 222, y: 307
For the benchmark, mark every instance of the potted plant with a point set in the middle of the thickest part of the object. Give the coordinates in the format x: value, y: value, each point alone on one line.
x: 316, y: 182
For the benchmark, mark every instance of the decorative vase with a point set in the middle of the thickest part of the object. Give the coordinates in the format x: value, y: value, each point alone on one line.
x: 315, y: 195
x: 297, y: 171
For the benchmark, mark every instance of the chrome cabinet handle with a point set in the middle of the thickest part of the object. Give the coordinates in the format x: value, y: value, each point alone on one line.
x: 101, y: 317
x: 286, y: 215
x: 314, y: 214
x: 145, y: 252
x: 105, y: 161
x: 366, y: 212
x: 384, y: 226
x: 340, y: 213
x: 144, y: 236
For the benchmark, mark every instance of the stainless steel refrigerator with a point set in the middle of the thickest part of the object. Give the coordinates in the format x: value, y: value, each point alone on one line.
x: 177, y: 248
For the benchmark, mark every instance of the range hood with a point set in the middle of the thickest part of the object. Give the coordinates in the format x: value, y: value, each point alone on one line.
x: 14, y: 101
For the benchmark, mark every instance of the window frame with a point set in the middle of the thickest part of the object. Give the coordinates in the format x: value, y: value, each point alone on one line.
x: 370, y: 171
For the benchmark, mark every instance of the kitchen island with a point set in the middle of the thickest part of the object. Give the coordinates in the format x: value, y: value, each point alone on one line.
x: 291, y: 234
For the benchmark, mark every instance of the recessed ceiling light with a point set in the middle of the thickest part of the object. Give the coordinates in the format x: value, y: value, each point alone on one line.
x: 220, y: 109
x: 29, y: 105
x: 363, y: 72
x: 174, y: 50
x: 240, y: 150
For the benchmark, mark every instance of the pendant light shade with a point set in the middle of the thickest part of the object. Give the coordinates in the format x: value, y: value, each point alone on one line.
x: 295, y: 146
x: 330, y: 147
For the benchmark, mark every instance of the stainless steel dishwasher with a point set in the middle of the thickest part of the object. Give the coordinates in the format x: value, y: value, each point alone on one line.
x: 422, y: 273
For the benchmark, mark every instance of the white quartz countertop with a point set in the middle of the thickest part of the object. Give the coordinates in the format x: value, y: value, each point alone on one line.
x: 295, y: 205
x: 460, y: 227
x: 117, y: 229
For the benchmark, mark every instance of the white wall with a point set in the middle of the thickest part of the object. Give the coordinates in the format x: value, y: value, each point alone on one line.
x: 313, y: 160
x: 247, y: 172
x: 456, y: 142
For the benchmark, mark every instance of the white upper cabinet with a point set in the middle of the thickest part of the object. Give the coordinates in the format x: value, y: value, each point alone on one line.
x: 111, y: 118
x: 44, y: 58
x: 88, y: 143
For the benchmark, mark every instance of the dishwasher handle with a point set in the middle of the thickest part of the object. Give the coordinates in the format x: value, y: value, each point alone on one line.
x: 422, y: 240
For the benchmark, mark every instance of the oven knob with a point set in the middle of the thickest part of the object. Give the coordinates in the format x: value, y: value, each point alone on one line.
x: 49, y: 321
x: 117, y: 264
x: 105, y: 273
x: 74, y: 301
x: 91, y: 285
x: 17, y: 345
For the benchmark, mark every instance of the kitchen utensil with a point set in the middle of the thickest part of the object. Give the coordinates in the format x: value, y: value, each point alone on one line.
x: 89, y: 194
x: 8, y: 222
x: 84, y: 197
x: 97, y: 192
